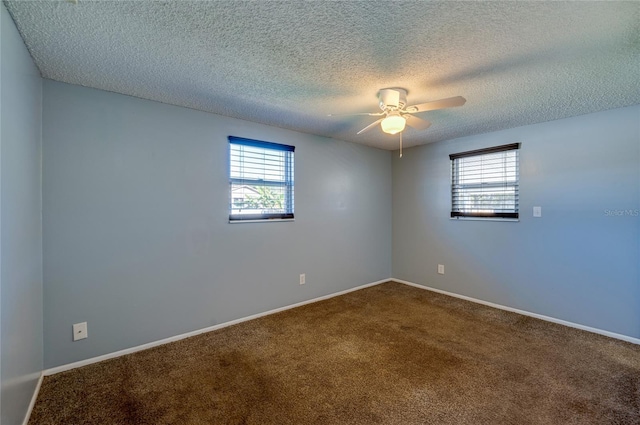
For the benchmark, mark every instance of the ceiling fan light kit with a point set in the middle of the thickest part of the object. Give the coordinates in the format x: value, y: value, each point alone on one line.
x: 393, y: 103
x: 394, y: 123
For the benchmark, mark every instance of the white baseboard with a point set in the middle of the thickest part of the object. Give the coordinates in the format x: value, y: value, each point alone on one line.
x: 525, y: 313
x: 146, y: 346
x: 36, y: 391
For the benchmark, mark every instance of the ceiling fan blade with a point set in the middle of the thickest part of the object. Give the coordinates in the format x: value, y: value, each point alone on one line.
x: 370, y: 126
x: 372, y: 114
x: 437, y: 104
x: 417, y: 123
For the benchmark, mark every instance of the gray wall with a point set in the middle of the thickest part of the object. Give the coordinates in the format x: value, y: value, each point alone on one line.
x: 136, y: 234
x: 20, y: 225
x: 578, y: 262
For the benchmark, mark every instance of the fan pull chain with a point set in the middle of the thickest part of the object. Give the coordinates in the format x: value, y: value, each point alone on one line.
x: 401, y: 144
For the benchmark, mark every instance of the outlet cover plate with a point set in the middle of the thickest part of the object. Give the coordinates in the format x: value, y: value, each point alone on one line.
x: 80, y: 331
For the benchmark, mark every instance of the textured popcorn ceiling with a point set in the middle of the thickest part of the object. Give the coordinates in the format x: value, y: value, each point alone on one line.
x: 289, y: 64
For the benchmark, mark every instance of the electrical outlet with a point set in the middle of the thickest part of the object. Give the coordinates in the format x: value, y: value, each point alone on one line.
x: 440, y: 268
x: 80, y: 331
x: 303, y: 279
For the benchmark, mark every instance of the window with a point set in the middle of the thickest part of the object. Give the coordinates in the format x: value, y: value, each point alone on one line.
x: 260, y: 180
x: 484, y: 183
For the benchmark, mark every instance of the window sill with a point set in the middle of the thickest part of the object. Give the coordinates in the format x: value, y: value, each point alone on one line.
x: 268, y: 220
x: 483, y: 219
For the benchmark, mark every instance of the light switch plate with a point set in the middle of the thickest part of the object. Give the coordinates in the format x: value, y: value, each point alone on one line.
x: 537, y: 211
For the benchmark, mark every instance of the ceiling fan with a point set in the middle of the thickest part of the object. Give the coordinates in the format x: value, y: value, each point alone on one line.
x: 396, y: 114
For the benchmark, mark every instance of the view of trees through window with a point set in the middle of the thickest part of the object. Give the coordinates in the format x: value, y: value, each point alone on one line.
x: 257, y: 199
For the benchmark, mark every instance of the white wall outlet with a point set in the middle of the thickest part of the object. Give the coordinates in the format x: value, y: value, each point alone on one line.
x: 303, y: 279
x: 80, y: 331
x: 440, y: 268
x: 537, y: 211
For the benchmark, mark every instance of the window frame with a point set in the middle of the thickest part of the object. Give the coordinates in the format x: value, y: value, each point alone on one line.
x: 457, y: 188
x: 288, y: 182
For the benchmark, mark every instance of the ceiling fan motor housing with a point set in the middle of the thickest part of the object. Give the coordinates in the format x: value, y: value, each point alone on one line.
x: 392, y: 99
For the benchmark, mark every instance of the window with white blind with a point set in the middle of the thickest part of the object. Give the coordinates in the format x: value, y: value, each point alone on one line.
x: 260, y: 180
x: 484, y: 183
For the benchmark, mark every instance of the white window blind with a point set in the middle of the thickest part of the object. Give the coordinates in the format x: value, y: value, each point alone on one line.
x: 484, y: 182
x: 260, y: 180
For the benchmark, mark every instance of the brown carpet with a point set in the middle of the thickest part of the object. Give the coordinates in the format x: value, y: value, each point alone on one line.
x: 389, y: 354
